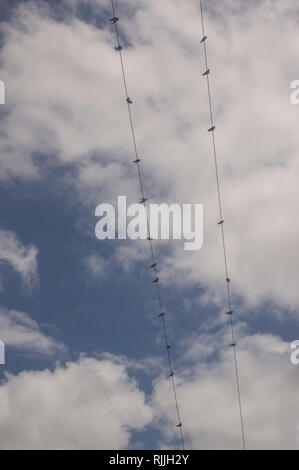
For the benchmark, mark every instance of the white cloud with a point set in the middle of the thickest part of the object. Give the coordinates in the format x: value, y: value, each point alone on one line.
x: 20, y: 331
x: 208, y: 399
x: 95, y: 403
x: 65, y: 102
x: 64, y: 98
x: 89, y: 404
x: 22, y: 259
x: 97, y: 266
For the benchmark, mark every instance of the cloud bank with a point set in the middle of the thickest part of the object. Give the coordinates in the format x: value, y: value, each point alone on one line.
x: 89, y: 404
x: 65, y: 107
x: 22, y: 259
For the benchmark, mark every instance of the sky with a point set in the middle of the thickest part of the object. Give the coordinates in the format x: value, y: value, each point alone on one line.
x: 85, y: 361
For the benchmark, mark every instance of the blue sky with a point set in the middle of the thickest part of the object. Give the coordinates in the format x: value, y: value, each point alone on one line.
x: 88, y: 306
